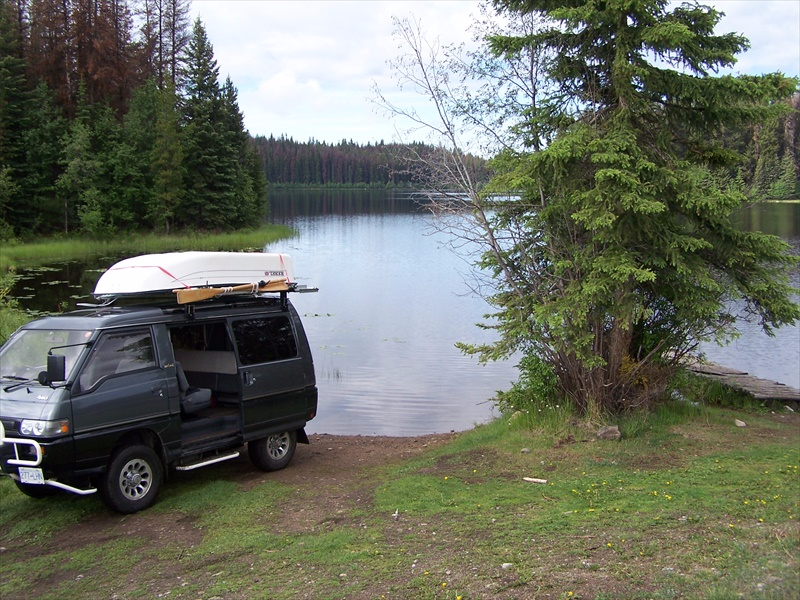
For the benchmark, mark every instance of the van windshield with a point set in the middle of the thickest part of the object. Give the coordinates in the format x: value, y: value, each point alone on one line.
x: 24, y: 356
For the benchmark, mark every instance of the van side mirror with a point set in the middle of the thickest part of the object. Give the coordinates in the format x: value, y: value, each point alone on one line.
x: 56, y: 367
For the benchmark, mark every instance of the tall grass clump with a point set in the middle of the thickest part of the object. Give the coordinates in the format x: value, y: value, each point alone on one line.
x: 533, y: 400
x: 11, y: 316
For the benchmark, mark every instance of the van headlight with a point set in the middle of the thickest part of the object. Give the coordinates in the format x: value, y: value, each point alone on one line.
x: 36, y: 428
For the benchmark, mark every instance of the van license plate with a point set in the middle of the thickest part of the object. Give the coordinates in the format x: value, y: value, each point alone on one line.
x: 31, y: 476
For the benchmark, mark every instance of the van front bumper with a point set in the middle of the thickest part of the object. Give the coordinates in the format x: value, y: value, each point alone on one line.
x: 21, y: 459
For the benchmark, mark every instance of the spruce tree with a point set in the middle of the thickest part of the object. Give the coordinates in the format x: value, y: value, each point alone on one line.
x: 249, y: 200
x: 166, y: 160
x: 14, y: 110
x: 47, y: 127
x: 209, y: 176
x: 221, y: 192
x: 620, y: 256
x: 130, y: 159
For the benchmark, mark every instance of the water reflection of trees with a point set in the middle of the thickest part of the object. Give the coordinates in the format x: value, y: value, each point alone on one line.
x: 775, y: 218
x: 288, y: 204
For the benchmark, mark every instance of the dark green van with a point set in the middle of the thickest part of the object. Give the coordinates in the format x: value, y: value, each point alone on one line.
x: 110, y: 398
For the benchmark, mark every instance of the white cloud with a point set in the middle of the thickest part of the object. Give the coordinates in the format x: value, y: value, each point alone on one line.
x: 773, y: 29
x: 305, y: 68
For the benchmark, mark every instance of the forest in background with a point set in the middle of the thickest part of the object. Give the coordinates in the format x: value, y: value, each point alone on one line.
x: 113, y: 119
x: 347, y: 163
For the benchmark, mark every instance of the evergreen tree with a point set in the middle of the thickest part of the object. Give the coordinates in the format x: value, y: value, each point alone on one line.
x: 77, y: 185
x: 203, y: 146
x: 176, y: 34
x: 620, y: 255
x: 86, y: 186
x: 132, y: 185
x: 166, y: 162
x: 14, y: 109
x: 220, y: 191
x: 249, y: 200
x: 785, y: 186
x: 165, y: 33
x: 255, y: 170
x: 43, y: 138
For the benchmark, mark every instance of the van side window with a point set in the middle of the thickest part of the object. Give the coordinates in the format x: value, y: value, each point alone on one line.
x: 264, y: 340
x: 203, y: 336
x: 118, y: 352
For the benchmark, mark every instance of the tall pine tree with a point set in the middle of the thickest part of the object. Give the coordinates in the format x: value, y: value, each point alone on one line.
x: 220, y: 191
x: 43, y: 143
x: 203, y: 146
x: 14, y: 121
x: 620, y: 255
x: 166, y: 160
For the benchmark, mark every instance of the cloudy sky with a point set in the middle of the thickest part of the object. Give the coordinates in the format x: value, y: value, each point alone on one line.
x: 305, y: 68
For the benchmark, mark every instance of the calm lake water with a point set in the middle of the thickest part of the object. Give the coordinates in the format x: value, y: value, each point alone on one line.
x: 776, y: 358
x: 393, y: 302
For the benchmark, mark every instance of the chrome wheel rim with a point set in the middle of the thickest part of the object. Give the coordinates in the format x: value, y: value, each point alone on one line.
x: 135, y: 479
x: 278, y: 445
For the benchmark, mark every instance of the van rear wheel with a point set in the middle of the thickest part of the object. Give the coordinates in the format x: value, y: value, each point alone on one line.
x: 273, y: 452
x: 133, y: 480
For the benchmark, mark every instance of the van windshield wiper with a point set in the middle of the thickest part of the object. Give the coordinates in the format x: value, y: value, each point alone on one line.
x: 13, y: 377
x: 20, y: 381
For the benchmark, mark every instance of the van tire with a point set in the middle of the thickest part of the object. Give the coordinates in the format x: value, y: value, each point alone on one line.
x: 133, y: 479
x: 273, y: 452
x: 36, y: 491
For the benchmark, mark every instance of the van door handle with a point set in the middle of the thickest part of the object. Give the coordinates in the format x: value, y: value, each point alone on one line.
x: 248, y: 378
x: 158, y: 391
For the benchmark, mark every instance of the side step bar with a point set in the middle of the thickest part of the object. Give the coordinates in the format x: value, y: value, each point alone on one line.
x: 204, y: 462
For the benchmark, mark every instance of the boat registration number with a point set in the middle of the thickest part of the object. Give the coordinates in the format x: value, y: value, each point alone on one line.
x: 31, y: 476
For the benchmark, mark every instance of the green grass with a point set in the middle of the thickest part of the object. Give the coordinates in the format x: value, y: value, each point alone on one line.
x: 31, y: 254
x: 688, y: 505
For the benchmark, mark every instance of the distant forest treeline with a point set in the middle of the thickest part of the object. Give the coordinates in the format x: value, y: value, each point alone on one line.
x: 770, y: 168
x: 345, y: 163
x: 113, y: 119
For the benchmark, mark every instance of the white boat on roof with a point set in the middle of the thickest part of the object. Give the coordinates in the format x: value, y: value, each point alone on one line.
x: 170, y: 271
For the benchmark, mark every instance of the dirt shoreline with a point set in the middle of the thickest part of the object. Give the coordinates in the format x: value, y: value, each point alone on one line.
x: 327, y: 453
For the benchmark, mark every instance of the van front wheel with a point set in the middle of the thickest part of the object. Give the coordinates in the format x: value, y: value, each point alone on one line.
x: 273, y: 452
x: 133, y: 480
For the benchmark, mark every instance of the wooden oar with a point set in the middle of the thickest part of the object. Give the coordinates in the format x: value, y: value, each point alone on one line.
x: 188, y: 295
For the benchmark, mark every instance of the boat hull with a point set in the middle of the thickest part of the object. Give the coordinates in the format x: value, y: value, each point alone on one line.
x: 182, y: 270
